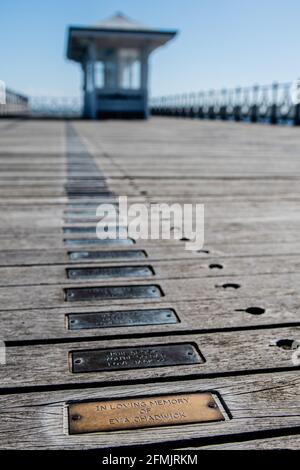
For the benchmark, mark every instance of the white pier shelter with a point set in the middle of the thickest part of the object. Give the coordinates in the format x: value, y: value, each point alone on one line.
x: 114, y: 56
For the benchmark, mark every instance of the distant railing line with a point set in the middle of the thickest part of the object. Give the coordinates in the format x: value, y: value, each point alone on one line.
x: 268, y: 103
x: 16, y: 104
x: 40, y: 106
x: 55, y: 106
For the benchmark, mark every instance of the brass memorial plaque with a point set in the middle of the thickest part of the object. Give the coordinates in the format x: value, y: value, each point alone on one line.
x: 146, y: 412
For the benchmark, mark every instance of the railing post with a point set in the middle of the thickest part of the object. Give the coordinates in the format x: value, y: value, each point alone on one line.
x: 297, y: 115
x: 295, y: 98
x: 255, y: 106
x: 237, y: 107
x: 211, y: 105
x: 223, y: 105
x: 200, y: 106
x: 169, y: 101
x: 273, y: 116
x: 173, y: 105
x: 177, y: 105
x: 191, y: 111
x: 182, y: 105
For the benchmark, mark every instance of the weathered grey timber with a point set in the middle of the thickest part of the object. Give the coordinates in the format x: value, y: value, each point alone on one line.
x: 219, y: 288
x: 223, y: 353
x: 235, y: 301
x: 273, y: 443
x: 201, y: 315
x: 45, y: 426
x: 143, y: 269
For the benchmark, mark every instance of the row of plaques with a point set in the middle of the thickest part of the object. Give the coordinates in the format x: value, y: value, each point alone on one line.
x: 137, y: 412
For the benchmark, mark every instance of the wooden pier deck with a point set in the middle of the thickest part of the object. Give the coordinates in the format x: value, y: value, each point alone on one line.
x: 147, y: 324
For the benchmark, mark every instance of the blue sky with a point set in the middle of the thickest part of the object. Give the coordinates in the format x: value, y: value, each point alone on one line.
x: 221, y: 42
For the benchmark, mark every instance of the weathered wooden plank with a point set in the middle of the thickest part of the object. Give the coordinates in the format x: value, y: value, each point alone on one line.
x: 215, y: 211
x: 275, y: 443
x: 258, y: 402
x: 155, y: 252
x: 225, y: 352
x: 233, y: 233
x: 251, y: 195
x: 144, y: 269
x: 195, y: 315
x: 215, y: 207
x: 118, y: 188
x: 235, y: 287
x: 201, y: 187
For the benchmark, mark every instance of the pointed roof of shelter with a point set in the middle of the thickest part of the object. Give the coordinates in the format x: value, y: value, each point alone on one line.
x: 116, y: 31
x: 120, y: 21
